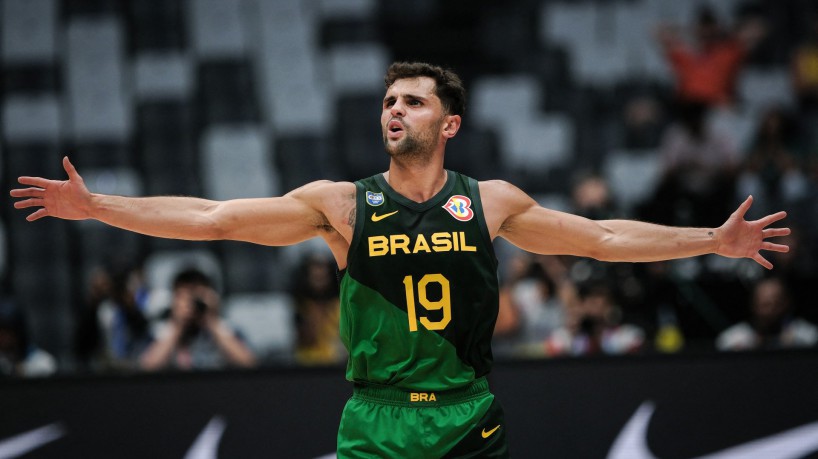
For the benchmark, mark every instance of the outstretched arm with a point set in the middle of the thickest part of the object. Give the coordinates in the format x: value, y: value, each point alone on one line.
x: 289, y: 219
x: 516, y: 217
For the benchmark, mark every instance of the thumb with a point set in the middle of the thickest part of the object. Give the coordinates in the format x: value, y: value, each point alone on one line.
x: 73, y: 175
x: 744, y: 207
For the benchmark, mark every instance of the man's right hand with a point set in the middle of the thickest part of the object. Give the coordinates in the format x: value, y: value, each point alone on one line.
x: 66, y: 199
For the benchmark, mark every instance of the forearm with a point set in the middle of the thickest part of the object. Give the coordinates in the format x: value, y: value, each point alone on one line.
x: 159, y: 353
x: 634, y: 241
x: 514, y: 216
x: 556, y: 233
x: 233, y: 349
x: 314, y: 209
x: 167, y: 216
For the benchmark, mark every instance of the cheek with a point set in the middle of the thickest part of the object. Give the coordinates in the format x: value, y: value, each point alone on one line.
x: 182, y: 299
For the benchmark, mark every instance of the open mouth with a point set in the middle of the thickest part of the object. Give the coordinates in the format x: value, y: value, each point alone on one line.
x: 394, y: 129
x: 395, y: 126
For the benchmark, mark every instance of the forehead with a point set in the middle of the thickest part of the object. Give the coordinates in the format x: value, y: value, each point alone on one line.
x: 769, y: 288
x: 419, y: 86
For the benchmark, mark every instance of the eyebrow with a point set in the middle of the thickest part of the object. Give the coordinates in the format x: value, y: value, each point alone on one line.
x: 407, y: 96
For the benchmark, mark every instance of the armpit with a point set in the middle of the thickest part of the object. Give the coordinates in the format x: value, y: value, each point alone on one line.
x: 325, y: 226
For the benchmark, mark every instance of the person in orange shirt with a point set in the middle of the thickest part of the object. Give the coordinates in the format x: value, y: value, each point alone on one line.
x: 706, y: 72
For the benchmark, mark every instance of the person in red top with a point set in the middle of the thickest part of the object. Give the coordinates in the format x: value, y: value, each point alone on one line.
x: 706, y: 72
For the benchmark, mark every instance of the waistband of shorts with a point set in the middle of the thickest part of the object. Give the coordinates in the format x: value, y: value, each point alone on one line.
x: 404, y: 397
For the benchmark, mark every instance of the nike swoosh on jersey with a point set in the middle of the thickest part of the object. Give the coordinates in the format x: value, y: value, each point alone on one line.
x: 632, y: 441
x: 377, y: 218
x: 488, y: 434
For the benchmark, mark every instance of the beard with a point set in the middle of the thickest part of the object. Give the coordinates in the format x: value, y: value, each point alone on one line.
x: 413, y: 146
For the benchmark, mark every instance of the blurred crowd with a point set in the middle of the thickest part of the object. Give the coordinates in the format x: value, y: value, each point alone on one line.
x: 550, y: 306
x: 117, y: 331
x: 555, y: 306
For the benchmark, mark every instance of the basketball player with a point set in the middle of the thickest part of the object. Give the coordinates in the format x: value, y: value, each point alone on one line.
x: 419, y: 288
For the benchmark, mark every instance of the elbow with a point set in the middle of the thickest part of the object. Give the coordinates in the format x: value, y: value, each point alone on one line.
x: 601, y: 254
x: 605, y: 245
x: 214, y: 231
x: 211, y: 225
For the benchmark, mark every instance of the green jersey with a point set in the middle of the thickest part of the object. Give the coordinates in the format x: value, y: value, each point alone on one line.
x: 419, y: 297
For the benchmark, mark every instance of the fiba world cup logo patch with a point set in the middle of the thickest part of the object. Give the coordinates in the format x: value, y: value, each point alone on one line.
x: 374, y: 199
x: 460, y: 208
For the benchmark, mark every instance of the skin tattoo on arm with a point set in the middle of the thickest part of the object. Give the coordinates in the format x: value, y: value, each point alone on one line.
x: 351, y: 219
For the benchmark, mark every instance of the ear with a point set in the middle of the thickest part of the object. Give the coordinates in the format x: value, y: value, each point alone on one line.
x: 451, y: 124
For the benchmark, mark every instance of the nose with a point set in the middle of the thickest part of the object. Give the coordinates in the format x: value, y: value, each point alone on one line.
x: 398, y: 109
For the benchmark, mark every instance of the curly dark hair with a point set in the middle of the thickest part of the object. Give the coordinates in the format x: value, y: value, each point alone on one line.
x: 448, y: 86
x: 191, y: 276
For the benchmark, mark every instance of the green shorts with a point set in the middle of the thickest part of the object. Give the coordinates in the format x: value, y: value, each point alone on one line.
x: 386, y: 422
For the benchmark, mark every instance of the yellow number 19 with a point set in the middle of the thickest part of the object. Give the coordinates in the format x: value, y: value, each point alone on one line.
x: 445, y: 302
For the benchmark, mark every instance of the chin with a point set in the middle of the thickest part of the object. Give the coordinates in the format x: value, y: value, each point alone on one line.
x: 395, y: 148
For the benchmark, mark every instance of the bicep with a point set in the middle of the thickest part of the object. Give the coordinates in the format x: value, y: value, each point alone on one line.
x: 516, y: 217
x: 276, y: 221
x: 550, y: 232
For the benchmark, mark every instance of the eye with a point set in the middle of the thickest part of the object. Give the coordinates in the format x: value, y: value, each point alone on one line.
x: 414, y: 102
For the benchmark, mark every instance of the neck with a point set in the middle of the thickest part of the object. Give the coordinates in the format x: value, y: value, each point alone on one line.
x: 418, y: 182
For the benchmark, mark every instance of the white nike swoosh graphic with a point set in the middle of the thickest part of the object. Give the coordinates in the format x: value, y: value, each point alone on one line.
x: 206, y: 445
x: 632, y: 442
x: 22, y: 443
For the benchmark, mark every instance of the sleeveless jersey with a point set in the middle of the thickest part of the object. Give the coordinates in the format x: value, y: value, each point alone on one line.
x: 419, y: 297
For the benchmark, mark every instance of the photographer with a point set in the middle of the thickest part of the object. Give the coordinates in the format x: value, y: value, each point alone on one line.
x: 594, y: 325
x: 196, y: 336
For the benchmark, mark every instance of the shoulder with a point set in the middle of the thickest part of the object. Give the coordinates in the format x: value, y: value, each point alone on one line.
x: 325, y: 196
x: 503, y: 195
x: 500, y: 189
x: 323, y: 188
x: 501, y: 201
x: 334, y: 200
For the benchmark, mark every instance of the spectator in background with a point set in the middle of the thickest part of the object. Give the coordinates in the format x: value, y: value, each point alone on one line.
x: 644, y: 122
x: 18, y: 355
x: 594, y: 325
x: 591, y: 198
x: 196, y: 337
x: 798, y: 269
x: 699, y: 161
x: 706, y: 71
x: 315, y: 290
x: 509, y: 319
x: 804, y: 68
x: 536, y: 294
x: 699, y: 164
x: 113, y: 330
x: 771, y: 324
x: 772, y: 172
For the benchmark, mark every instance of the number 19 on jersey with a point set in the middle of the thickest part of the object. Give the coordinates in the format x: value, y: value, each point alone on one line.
x: 444, y: 303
